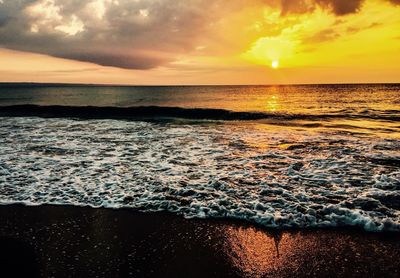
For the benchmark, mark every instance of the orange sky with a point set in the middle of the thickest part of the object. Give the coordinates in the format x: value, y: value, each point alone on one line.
x: 199, y: 42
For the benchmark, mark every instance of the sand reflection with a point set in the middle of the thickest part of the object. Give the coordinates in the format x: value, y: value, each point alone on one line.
x: 257, y: 253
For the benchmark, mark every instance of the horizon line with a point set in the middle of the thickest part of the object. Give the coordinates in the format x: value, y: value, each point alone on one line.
x: 188, y: 85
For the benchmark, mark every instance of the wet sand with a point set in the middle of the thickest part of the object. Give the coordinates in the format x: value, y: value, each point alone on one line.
x: 63, y: 241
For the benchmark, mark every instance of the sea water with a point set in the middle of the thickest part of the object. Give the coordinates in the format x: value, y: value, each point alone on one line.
x: 286, y: 157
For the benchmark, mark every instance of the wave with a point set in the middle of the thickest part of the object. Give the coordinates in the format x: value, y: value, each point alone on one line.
x: 274, y: 178
x: 154, y: 112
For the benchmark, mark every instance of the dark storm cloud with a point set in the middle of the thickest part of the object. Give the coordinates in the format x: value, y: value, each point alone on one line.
x: 127, y: 61
x: 133, y: 34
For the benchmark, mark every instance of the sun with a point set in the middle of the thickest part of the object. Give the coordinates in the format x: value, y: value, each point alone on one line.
x: 275, y: 64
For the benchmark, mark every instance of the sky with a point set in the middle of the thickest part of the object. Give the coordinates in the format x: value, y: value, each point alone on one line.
x: 167, y: 42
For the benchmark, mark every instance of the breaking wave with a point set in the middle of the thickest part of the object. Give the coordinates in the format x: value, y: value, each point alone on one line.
x: 154, y: 112
x: 276, y: 177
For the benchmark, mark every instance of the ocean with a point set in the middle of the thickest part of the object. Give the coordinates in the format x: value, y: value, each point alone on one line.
x: 299, y: 156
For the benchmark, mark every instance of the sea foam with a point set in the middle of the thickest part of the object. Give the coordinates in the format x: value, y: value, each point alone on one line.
x: 277, y: 177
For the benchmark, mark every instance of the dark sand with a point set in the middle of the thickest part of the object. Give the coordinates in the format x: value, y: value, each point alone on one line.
x: 61, y: 241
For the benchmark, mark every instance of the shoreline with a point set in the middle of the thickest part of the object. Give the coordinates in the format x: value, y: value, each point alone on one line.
x: 65, y: 241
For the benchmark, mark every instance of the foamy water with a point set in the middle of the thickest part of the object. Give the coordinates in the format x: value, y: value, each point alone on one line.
x: 277, y: 176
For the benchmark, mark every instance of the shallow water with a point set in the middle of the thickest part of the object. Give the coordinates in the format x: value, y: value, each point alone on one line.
x: 318, y: 156
x: 274, y: 176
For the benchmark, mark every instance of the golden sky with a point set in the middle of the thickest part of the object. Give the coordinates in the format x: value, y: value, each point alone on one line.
x: 200, y: 41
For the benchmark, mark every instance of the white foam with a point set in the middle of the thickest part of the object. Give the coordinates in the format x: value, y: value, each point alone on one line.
x: 275, y: 177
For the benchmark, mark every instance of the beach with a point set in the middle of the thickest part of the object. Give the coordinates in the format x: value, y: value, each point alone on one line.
x: 67, y: 241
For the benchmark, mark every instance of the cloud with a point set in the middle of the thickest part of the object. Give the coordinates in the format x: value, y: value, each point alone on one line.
x: 342, y: 7
x: 137, y: 34
x: 322, y: 36
x: 137, y: 60
x: 296, y: 6
x: 338, y: 7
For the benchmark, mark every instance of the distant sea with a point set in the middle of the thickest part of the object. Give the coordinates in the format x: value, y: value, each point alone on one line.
x: 296, y: 156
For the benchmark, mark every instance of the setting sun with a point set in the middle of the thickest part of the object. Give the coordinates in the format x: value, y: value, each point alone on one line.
x: 275, y: 64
